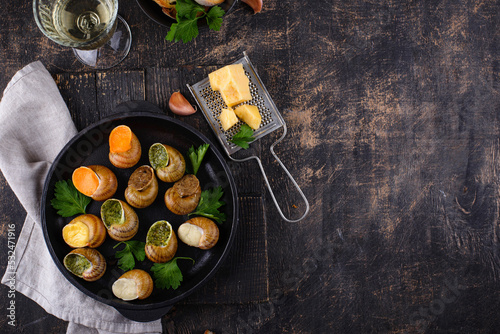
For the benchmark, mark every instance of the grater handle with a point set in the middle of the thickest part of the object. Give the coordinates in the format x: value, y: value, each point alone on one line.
x: 287, y: 173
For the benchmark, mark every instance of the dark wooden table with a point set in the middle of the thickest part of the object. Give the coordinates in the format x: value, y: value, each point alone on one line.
x: 393, y: 112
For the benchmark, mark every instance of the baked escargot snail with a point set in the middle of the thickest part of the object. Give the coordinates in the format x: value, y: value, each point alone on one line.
x: 183, y: 197
x: 120, y: 219
x: 86, y: 263
x: 95, y: 181
x: 84, y: 231
x: 161, y: 242
x: 199, y: 232
x: 168, y: 163
x: 142, y: 187
x: 124, y: 147
x: 134, y: 284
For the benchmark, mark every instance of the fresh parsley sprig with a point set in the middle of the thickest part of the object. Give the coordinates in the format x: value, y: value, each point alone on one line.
x: 209, y: 205
x: 168, y: 275
x: 196, y: 157
x: 126, y: 256
x: 243, y: 137
x: 68, y: 200
x: 188, y: 14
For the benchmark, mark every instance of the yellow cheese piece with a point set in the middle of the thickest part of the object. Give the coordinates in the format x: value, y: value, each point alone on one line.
x: 76, y: 234
x: 234, y: 93
x: 249, y: 114
x: 232, y: 83
x: 227, y: 118
x: 221, y: 77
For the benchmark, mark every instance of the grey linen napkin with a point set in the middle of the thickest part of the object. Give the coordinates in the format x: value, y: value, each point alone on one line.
x: 34, y: 126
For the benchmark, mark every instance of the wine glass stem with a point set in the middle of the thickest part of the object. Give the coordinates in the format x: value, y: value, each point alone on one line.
x: 111, y: 53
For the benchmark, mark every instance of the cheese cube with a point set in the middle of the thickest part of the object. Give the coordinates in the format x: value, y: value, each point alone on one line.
x: 232, y: 83
x: 221, y: 77
x: 235, y: 92
x: 249, y: 114
x: 227, y: 118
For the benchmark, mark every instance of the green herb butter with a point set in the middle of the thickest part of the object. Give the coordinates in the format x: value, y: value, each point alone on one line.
x: 112, y: 213
x: 159, y: 233
x: 77, y: 264
x: 158, y: 156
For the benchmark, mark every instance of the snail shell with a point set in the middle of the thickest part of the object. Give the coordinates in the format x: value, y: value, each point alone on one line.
x: 120, y: 219
x: 86, y: 263
x: 169, y: 163
x: 84, y: 231
x: 183, y: 197
x: 107, y: 182
x: 128, y: 158
x: 142, y: 187
x: 161, y: 242
x: 199, y: 232
x: 134, y: 284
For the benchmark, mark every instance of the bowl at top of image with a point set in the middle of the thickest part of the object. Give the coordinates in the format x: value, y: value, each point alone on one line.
x: 154, y: 11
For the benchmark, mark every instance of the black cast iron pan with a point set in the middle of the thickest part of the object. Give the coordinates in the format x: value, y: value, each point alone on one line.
x: 90, y: 146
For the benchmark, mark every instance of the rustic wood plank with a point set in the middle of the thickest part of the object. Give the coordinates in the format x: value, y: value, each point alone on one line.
x: 114, y: 88
x: 79, y: 93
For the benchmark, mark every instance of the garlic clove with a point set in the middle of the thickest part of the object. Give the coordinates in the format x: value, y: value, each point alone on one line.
x: 180, y: 105
x: 255, y: 4
x: 125, y: 289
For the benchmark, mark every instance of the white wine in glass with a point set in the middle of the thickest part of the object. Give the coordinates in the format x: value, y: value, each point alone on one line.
x: 100, y: 38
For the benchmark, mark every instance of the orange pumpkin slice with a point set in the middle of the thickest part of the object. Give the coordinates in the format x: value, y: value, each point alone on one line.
x: 85, y: 180
x: 120, y: 139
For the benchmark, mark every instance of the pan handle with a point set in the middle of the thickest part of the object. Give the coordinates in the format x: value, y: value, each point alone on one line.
x: 287, y: 173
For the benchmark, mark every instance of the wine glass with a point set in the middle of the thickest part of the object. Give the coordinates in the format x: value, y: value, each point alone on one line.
x: 100, y: 38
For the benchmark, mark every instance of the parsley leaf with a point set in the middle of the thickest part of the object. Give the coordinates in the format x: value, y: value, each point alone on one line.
x: 186, y: 30
x: 209, y: 205
x: 214, y: 18
x: 243, y: 137
x: 188, y: 9
x: 188, y: 14
x: 126, y: 256
x: 168, y: 275
x: 196, y: 157
x: 67, y: 200
x: 171, y: 33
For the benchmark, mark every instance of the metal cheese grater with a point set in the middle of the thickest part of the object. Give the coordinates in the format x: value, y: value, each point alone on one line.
x: 211, y: 104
